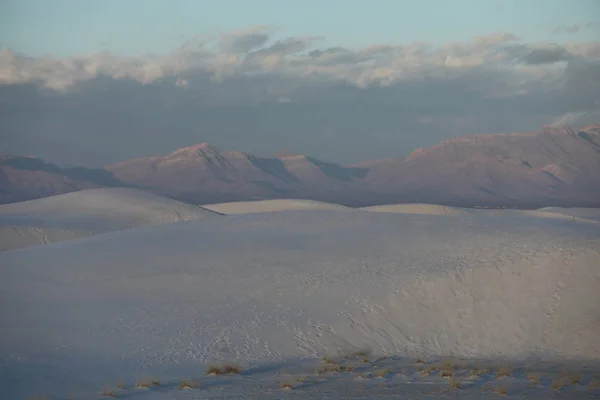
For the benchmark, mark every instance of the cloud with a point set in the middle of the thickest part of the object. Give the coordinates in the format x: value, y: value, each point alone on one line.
x: 255, y: 51
x: 592, y: 24
x: 243, y: 41
x: 255, y: 91
x: 575, y: 28
x: 496, y: 38
x: 547, y: 55
x: 567, y: 119
x: 569, y: 29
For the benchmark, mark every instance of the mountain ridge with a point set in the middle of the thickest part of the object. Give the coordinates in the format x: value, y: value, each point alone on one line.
x: 554, y: 166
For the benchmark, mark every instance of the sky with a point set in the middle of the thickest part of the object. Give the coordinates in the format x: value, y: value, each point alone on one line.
x: 92, y: 83
x: 68, y: 27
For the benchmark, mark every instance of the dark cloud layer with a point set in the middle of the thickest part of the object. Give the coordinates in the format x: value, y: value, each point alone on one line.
x: 252, y: 92
x: 547, y: 55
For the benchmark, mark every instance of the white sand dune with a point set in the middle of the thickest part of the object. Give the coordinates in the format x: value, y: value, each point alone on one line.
x: 419, y: 208
x: 262, y: 206
x: 588, y: 214
x: 574, y: 215
x: 86, y: 213
x: 166, y: 300
x: 559, y: 215
x: 569, y: 214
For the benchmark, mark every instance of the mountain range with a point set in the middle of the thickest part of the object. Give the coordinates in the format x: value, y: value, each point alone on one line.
x: 555, y: 166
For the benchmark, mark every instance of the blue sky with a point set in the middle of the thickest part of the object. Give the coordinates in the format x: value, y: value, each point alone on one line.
x: 66, y: 27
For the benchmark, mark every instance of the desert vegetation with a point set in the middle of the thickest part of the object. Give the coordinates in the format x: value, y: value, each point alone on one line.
x: 224, y: 369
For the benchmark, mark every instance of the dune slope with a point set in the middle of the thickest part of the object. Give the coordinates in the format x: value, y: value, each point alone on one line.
x: 259, y: 206
x: 419, y: 208
x: 270, y: 287
x: 85, y: 213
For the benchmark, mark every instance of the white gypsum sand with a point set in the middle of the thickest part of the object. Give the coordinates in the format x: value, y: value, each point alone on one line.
x: 261, y: 206
x: 272, y: 288
x: 419, y: 208
x: 86, y: 213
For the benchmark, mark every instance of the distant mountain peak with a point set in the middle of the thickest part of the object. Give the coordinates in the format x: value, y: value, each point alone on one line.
x: 287, y: 154
x: 558, y: 129
x: 197, y: 149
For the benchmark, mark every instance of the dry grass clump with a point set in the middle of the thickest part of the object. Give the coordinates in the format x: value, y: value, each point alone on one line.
x: 361, y: 353
x: 384, y: 372
x: 501, y: 390
x: 534, y: 378
x: 446, y: 370
x: 328, y: 360
x: 574, y: 379
x: 224, y: 369
x: 504, y: 370
x: 147, y: 383
x: 455, y: 384
x: 558, y: 384
x: 108, y: 393
x: 286, y: 385
x: 594, y: 384
x: 480, y: 372
x: 291, y: 382
x: 446, y: 373
x: 333, y: 367
x: 328, y: 368
x: 188, y: 384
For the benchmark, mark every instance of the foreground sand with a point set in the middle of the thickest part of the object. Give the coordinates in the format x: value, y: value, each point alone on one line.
x: 266, y: 291
x: 359, y: 376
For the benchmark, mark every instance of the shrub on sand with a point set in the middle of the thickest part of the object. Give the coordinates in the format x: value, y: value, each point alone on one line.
x: 446, y: 373
x: 147, y: 383
x: 501, y: 390
x: 290, y: 382
x: 533, y: 378
x: 108, y: 393
x: 384, y: 372
x: 224, y: 369
x: 328, y: 368
x: 188, y: 384
x: 424, y: 371
x: 558, y: 384
x: 480, y: 371
x: 328, y: 360
x: 455, y: 384
x: 574, y: 379
x: 504, y: 370
x: 361, y: 353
